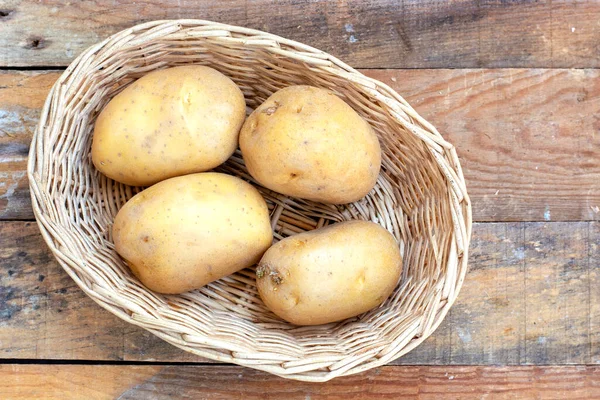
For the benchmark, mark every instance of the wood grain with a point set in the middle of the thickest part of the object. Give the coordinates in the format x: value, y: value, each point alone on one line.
x: 530, y: 297
x: 22, y: 95
x: 44, y: 315
x: 374, y: 34
x: 73, y: 381
x: 594, y: 274
x: 528, y: 139
x: 227, y: 382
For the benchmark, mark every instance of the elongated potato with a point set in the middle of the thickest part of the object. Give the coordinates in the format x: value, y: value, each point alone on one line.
x: 185, y: 232
x: 329, y: 274
x: 168, y: 123
x: 306, y: 142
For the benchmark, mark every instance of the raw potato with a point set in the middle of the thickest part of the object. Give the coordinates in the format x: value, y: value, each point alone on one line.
x: 329, y: 274
x: 185, y: 232
x: 168, y: 123
x: 306, y: 142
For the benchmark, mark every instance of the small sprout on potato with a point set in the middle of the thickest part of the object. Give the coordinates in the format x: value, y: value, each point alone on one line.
x: 253, y: 125
x: 264, y: 270
x: 276, y: 278
x: 261, y: 271
x: 271, y: 110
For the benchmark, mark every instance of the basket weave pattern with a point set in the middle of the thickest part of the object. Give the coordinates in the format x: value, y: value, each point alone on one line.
x: 420, y: 197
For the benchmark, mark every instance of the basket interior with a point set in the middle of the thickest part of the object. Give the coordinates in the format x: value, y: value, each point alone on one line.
x: 227, y: 319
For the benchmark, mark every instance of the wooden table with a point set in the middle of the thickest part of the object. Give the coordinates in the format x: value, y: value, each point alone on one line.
x: 514, y: 85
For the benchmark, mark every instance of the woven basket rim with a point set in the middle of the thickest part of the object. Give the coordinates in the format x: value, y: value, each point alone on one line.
x: 443, y: 152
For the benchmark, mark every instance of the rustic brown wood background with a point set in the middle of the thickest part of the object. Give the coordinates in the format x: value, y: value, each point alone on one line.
x: 515, y: 85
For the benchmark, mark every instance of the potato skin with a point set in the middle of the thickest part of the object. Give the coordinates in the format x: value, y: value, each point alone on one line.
x: 306, y: 142
x: 329, y: 274
x: 168, y: 123
x: 185, y: 232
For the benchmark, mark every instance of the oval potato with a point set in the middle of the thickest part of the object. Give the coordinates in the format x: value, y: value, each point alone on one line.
x: 306, y: 142
x: 185, y: 232
x: 329, y: 274
x: 168, y: 123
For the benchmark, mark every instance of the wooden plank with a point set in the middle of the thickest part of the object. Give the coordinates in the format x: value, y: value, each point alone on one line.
x: 22, y: 95
x: 374, y: 34
x: 38, y: 300
x: 227, y: 382
x: 558, y: 283
x: 594, y: 302
x: 528, y: 139
x: 73, y: 381
x: 530, y: 297
x: 486, y: 325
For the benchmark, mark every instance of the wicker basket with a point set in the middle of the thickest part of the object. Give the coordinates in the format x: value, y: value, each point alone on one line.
x: 420, y: 197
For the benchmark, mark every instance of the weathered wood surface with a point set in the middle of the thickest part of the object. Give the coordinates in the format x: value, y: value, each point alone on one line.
x: 529, y: 143
x: 528, y: 139
x: 22, y: 95
x: 44, y: 315
x: 532, y: 296
x: 227, y: 382
x: 373, y: 34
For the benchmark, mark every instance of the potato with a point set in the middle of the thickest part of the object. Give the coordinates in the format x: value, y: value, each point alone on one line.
x: 306, y: 142
x: 168, y: 123
x: 329, y: 274
x: 185, y: 232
